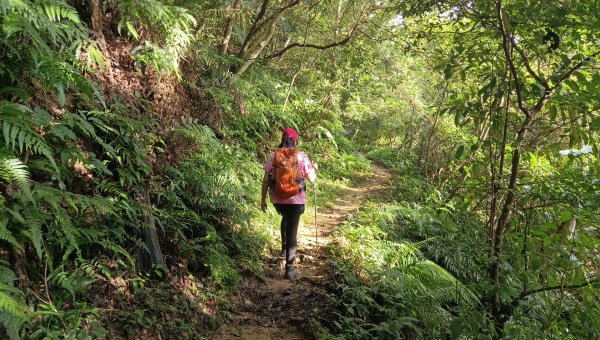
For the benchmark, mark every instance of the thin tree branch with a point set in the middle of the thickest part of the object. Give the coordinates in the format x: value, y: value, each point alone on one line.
x: 570, y: 72
x: 545, y: 289
x: 550, y: 92
x: 545, y: 134
x: 531, y: 72
x: 255, y: 42
x: 319, y: 47
x: 509, y: 60
x: 289, y: 90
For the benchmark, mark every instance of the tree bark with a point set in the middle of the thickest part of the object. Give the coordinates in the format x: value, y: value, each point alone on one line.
x: 496, y: 179
x: 154, y: 256
x: 229, y: 26
x: 98, y: 28
x: 254, y: 28
x: 260, y: 35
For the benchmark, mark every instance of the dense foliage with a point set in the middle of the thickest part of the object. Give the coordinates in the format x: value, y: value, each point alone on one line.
x: 132, y: 134
x: 500, y: 171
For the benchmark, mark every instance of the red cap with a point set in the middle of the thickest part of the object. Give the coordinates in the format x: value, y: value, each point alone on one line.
x: 291, y: 133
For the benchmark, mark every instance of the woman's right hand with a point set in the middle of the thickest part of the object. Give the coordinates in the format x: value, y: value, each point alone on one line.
x: 263, y: 206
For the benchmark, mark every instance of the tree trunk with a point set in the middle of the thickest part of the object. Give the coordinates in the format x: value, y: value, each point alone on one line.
x: 229, y: 26
x: 154, y: 255
x: 254, y: 28
x: 97, y: 20
x: 495, y: 179
x: 260, y: 34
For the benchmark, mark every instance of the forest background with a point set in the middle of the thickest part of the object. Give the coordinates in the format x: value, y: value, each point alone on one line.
x: 133, y: 133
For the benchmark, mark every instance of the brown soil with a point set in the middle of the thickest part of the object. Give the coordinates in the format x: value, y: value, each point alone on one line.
x: 273, y: 307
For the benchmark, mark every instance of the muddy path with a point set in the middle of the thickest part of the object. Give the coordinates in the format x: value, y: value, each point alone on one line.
x: 272, y: 307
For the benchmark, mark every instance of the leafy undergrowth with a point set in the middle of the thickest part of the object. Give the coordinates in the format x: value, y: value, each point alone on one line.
x: 95, y: 181
x: 387, y: 288
x: 398, y: 274
x: 132, y: 134
x: 411, y: 264
x: 212, y: 234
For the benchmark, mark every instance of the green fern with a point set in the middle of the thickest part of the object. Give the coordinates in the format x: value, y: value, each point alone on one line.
x: 397, y: 272
x: 20, y: 5
x: 7, y: 236
x: 12, y: 169
x: 118, y: 250
x: 35, y: 234
x: 111, y: 188
x: 12, y: 307
x: 62, y: 279
x: 58, y: 10
x: 8, y: 303
x: 59, y: 76
x: 45, y: 38
x: 18, y: 135
x: 170, y: 25
x: 28, y: 218
x: 42, y: 19
x: 65, y: 208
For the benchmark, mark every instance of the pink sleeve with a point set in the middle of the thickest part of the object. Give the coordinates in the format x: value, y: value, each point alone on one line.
x: 269, y: 163
x: 307, y: 167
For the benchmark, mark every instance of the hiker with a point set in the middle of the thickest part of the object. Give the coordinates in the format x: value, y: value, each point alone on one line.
x: 285, y: 173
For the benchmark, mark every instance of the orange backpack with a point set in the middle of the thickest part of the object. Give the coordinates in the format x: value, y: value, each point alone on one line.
x: 288, y: 179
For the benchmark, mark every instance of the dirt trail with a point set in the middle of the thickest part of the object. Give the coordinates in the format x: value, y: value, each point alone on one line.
x: 276, y: 308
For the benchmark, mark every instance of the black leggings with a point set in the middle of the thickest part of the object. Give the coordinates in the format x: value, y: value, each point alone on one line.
x: 289, y: 228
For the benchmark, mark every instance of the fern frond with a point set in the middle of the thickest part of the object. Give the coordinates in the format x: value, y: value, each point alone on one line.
x: 118, y: 250
x: 12, y: 324
x: 87, y: 125
x: 12, y: 169
x: 7, y: 236
x: 65, y: 224
x: 40, y: 22
x: 111, y: 188
x: 61, y: 278
x: 18, y: 135
x: 58, y: 10
x: 35, y: 234
x: 7, y: 302
x: 14, y: 5
x: 443, y: 286
x: 7, y: 276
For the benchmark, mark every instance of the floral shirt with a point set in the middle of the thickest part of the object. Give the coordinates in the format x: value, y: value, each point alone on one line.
x: 308, y: 171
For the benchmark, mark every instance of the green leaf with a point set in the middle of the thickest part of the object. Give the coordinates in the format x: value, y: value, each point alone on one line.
x: 132, y: 30
x: 60, y: 94
x: 566, y: 216
x: 459, y: 152
x: 448, y: 71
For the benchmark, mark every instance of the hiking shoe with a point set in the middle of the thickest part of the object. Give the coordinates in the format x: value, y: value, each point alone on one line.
x: 291, y: 273
x: 282, y: 254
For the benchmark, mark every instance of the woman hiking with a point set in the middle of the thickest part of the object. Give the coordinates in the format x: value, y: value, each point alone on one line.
x: 285, y: 173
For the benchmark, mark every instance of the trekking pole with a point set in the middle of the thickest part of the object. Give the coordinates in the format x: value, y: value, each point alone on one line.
x: 316, y: 227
